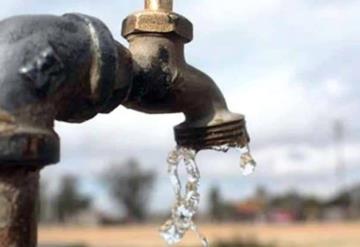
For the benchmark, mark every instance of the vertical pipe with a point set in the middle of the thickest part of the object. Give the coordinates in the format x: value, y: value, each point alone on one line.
x: 166, y: 5
x: 18, y: 203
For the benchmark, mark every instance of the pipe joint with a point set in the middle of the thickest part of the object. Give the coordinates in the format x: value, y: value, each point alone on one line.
x: 67, y: 68
x: 159, y: 21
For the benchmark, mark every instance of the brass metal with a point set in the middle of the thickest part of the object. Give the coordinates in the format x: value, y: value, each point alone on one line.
x: 166, y: 5
x: 7, y: 122
x: 156, y: 20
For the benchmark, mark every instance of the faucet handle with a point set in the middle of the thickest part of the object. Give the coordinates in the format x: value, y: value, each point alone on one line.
x: 165, y: 5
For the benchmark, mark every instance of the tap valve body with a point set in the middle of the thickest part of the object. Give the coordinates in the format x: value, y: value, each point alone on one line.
x: 165, y: 83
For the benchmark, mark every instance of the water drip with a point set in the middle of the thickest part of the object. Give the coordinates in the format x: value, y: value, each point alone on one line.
x: 187, y: 204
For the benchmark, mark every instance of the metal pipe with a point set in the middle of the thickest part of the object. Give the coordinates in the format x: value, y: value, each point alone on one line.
x: 67, y: 68
x: 166, y: 5
x: 18, y: 206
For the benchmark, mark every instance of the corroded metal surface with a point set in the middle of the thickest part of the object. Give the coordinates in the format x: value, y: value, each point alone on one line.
x: 67, y: 68
x: 70, y: 62
x: 29, y: 148
x: 231, y: 134
x: 18, y: 200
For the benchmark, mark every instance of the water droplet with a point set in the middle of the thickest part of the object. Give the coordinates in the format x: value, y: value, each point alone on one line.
x: 247, y: 162
x: 223, y: 148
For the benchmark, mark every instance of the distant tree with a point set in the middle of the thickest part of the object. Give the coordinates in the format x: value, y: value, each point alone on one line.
x: 305, y: 207
x: 312, y: 208
x: 69, y: 201
x: 130, y: 188
x: 216, y: 204
x: 289, y: 201
x: 343, y: 199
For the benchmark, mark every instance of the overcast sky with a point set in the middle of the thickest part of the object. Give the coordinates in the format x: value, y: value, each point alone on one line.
x: 290, y: 66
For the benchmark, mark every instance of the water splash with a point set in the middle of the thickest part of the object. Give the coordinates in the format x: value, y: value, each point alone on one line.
x: 187, y: 204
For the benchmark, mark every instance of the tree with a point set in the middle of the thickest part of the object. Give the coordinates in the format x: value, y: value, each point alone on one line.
x: 130, y: 187
x: 69, y: 202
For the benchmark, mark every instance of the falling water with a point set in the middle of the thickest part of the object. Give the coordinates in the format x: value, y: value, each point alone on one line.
x: 187, y: 203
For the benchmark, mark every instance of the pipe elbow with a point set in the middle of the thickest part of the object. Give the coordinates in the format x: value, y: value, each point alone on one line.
x: 67, y: 68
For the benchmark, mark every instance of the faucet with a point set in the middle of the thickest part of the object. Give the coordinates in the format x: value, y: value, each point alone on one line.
x: 165, y: 83
x: 70, y: 68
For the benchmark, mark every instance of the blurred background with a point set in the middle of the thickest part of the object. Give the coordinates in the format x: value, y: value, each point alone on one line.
x: 291, y: 67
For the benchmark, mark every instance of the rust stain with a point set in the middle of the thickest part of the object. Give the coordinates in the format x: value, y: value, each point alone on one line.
x: 18, y: 197
x: 7, y: 122
x: 5, y: 117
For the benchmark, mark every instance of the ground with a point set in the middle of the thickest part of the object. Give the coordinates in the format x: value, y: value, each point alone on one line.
x: 309, y: 235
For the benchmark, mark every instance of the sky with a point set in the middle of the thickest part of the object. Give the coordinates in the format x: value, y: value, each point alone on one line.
x: 289, y: 66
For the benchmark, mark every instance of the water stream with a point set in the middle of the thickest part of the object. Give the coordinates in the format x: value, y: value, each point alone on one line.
x: 187, y: 203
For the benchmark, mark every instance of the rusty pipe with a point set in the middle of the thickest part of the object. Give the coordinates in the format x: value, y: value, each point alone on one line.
x: 18, y: 199
x: 67, y: 68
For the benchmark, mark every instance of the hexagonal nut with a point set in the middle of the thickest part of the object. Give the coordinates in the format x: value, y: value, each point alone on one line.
x: 158, y: 22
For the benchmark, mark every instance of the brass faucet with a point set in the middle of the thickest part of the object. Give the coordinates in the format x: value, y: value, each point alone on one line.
x: 69, y: 68
x: 165, y: 83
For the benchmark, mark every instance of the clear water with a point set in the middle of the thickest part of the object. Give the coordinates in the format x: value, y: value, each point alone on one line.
x: 187, y: 203
x: 247, y: 162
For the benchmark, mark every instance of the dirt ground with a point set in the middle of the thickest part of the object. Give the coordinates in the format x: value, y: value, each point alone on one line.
x: 309, y: 235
